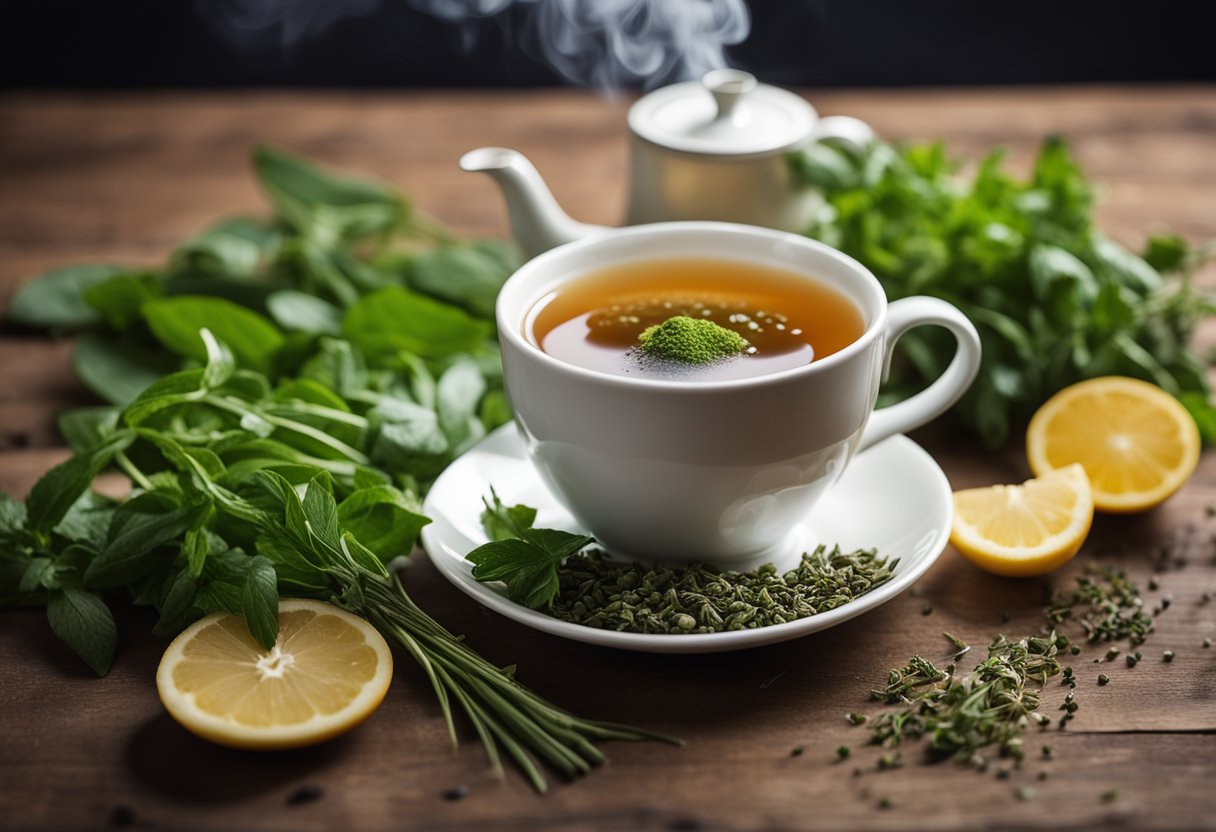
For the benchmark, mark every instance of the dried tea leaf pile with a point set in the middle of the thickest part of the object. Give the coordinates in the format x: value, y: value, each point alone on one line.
x: 629, y: 597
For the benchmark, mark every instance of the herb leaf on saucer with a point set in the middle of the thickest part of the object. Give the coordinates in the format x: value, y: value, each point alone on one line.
x: 527, y: 564
x: 503, y: 522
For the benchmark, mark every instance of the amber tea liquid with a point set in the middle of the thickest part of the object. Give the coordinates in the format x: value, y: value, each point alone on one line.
x: 595, y: 321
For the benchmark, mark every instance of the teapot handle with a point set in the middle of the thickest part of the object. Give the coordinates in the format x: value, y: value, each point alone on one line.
x: 850, y: 131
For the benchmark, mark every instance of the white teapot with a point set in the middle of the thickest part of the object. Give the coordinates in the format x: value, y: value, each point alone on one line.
x: 709, y: 150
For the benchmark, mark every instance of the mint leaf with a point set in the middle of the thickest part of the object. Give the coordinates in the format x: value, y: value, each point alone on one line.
x: 260, y: 601
x: 84, y: 622
x: 60, y: 487
x: 383, y: 519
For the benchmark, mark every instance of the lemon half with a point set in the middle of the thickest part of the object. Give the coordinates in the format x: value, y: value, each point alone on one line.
x: 1138, y: 443
x: 328, y: 671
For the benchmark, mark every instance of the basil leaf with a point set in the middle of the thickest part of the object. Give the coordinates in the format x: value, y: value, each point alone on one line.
x: 56, y: 298
x: 295, y: 311
x: 383, y: 519
x: 394, y: 319
x: 260, y: 601
x: 468, y: 276
x: 120, y: 298
x: 459, y: 390
x: 116, y: 371
x: 324, y: 206
x: 176, y: 322
x: 231, y: 248
x: 84, y: 622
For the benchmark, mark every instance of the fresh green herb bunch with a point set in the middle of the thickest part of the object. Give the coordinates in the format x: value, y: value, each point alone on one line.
x: 228, y: 514
x: 1108, y: 607
x: 1054, y: 300
x: 700, y: 598
x: 347, y: 289
x: 992, y: 706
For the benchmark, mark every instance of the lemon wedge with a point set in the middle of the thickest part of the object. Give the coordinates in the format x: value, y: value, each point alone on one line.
x: 1138, y: 443
x: 1028, y: 529
x: 328, y: 671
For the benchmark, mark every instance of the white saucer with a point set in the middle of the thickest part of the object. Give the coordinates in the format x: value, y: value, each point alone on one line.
x: 892, y: 497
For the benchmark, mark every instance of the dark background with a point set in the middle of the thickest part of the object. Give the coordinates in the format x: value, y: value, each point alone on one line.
x: 167, y: 43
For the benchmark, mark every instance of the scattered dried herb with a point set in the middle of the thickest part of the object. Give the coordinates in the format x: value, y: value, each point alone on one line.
x: 993, y: 705
x: 1107, y: 605
x: 796, y: 751
x: 1167, y: 656
x: 1103, y: 679
x: 842, y: 752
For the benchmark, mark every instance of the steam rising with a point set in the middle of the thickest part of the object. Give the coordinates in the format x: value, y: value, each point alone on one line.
x: 600, y: 43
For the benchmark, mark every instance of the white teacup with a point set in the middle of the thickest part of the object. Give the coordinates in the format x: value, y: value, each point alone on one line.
x: 716, y: 471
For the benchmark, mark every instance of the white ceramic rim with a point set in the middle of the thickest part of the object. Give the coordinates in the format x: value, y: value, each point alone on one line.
x: 452, y: 565
x: 513, y: 330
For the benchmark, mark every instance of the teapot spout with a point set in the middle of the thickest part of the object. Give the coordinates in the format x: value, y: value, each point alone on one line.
x: 538, y: 223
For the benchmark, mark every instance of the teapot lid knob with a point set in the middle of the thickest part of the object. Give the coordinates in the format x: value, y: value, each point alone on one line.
x: 727, y: 113
x: 728, y: 87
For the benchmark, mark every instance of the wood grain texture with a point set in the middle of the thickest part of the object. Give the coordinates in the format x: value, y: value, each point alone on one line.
x: 122, y: 178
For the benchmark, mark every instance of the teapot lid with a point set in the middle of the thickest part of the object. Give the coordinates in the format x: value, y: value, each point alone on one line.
x: 726, y: 113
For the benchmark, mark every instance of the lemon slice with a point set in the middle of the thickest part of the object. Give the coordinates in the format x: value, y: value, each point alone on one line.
x: 1028, y: 529
x: 327, y: 672
x: 1138, y: 443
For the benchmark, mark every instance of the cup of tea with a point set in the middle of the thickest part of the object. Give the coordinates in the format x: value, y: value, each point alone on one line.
x: 668, y: 461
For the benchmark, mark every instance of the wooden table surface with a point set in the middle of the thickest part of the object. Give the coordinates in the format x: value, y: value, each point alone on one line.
x: 122, y: 178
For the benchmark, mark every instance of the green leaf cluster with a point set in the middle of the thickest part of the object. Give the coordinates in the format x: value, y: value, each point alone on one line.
x: 279, y: 395
x: 1055, y: 301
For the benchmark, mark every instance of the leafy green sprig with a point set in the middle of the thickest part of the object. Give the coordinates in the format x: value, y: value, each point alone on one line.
x: 1055, y: 300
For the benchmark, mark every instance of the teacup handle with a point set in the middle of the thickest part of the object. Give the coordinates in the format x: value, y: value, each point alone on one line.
x: 938, y: 397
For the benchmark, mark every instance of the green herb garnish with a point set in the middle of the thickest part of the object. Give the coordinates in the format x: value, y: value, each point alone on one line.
x: 691, y: 341
x: 1054, y: 299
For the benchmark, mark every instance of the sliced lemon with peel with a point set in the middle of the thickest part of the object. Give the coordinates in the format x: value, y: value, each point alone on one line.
x: 1028, y: 529
x: 328, y: 671
x: 1138, y: 444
